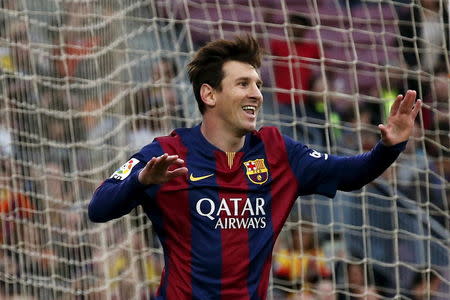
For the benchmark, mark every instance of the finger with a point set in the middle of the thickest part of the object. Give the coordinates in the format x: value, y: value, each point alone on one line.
x: 408, y: 102
x: 179, y: 161
x: 416, y: 108
x: 161, y: 159
x: 177, y: 172
x: 166, y: 161
x: 156, y: 163
x: 151, y: 163
x: 396, y: 105
x: 148, y: 166
x: 383, y: 131
x: 169, y: 160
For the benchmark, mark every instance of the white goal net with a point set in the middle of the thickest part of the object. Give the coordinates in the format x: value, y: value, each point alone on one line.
x: 86, y: 83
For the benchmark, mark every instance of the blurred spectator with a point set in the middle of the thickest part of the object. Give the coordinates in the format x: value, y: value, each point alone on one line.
x: 417, y: 178
x: 17, y: 63
x: 22, y: 59
x: 358, y: 284
x: 295, y: 62
x: 158, y: 107
x: 75, y: 44
x: 424, y: 286
x: 165, y: 79
x: 69, y: 241
x: 56, y: 131
x: 56, y: 186
x: 299, y: 263
x: 325, y: 290
x: 8, y: 268
x: 315, y: 105
x: 100, y: 125
x: 424, y: 29
x: 149, y: 266
x: 14, y: 206
x: 439, y: 116
x: 5, y: 136
x: 356, y: 131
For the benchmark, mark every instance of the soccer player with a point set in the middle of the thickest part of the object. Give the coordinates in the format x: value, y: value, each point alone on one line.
x: 219, y: 193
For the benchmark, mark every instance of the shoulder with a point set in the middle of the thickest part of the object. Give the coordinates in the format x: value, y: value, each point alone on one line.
x: 158, y: 145
x: 273, y: 140
x: 173, y: 143
x: 267, y: 132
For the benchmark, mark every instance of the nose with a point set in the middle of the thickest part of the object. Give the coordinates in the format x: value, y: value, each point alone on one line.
x: 255, y: 93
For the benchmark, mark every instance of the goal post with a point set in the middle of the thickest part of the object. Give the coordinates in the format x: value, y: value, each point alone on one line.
x: 87, y: 83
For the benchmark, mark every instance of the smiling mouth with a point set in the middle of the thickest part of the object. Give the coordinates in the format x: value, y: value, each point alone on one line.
x: 249, y: 109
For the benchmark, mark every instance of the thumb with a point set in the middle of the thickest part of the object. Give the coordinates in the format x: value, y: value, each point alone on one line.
x: 383, y: 130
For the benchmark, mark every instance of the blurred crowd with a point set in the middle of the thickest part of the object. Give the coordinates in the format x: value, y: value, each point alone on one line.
x: 84, y: 89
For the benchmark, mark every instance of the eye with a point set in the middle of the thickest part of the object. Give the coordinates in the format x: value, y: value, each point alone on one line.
x: 243, y: 83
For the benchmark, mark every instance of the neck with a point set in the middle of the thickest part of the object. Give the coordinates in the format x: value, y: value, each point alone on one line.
x: 222, y: 137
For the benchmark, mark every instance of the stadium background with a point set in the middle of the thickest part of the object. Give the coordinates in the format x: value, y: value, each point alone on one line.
x: 86, y: 83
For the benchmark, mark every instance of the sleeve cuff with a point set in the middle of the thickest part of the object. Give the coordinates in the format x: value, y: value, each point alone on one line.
x: 394, y: 148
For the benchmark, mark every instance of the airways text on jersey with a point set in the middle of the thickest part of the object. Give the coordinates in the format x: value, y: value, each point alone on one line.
x: 233, y: 213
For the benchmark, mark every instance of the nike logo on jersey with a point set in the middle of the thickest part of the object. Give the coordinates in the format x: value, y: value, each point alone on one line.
x: 193, y: 178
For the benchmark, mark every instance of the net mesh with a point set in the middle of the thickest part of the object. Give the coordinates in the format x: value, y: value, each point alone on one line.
x: 86, y: 83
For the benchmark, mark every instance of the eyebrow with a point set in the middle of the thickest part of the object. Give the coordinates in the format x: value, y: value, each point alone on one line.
x: 249, y: 78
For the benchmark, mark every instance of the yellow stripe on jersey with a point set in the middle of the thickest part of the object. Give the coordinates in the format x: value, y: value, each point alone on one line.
x: 230, y: 156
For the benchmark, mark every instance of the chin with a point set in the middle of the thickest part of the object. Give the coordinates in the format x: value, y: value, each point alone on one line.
x: 250, y: 127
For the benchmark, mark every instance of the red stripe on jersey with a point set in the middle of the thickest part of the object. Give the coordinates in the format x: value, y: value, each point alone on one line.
x: 177, y: 229
x: 283, y: 190
x: 235, y: 243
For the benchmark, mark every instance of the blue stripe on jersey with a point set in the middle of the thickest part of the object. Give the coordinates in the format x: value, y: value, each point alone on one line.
x: 206, y: 248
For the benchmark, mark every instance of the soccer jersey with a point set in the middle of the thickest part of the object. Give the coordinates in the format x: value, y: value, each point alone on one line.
x: 218, y: 224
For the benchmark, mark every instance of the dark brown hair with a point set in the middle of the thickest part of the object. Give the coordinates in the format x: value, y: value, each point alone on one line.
x: 206, y: 66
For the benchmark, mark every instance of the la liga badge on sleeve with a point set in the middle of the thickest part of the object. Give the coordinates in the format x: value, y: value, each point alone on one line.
x: 256, y: 171
x: 125, y: 170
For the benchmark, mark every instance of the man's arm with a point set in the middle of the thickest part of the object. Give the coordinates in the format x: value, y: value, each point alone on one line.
x: 324, y: 174
x: 353, y: 172
x: 115, y: 197
x: 359, y: 170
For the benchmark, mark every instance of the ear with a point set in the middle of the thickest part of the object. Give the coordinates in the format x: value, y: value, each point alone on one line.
x: 207, y: 95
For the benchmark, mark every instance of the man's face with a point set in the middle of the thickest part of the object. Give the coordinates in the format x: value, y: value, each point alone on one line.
x: 239, y: 101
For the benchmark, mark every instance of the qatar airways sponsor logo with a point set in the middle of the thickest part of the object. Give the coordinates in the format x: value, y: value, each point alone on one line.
x: 234, y: 213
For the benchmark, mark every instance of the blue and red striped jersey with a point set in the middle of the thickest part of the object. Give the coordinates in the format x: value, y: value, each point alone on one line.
x: 218, y: 225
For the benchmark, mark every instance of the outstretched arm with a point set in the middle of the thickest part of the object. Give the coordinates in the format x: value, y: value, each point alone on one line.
x: 324, y: 174
x: 368, y: 166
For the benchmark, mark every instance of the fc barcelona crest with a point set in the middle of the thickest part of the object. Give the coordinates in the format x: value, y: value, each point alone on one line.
x: 257, y: 171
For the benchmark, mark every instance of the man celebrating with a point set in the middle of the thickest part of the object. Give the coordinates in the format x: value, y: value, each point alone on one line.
x: 218, y: 194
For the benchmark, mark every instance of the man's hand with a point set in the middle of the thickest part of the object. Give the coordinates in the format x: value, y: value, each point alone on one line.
x: 400, y: 122
x: 156, y: 171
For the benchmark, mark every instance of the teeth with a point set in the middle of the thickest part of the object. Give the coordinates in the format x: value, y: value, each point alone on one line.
x: 248, y: 107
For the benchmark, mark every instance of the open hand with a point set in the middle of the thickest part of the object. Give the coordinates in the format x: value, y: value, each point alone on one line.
x: 400, y: 122
x: 156, y: 171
